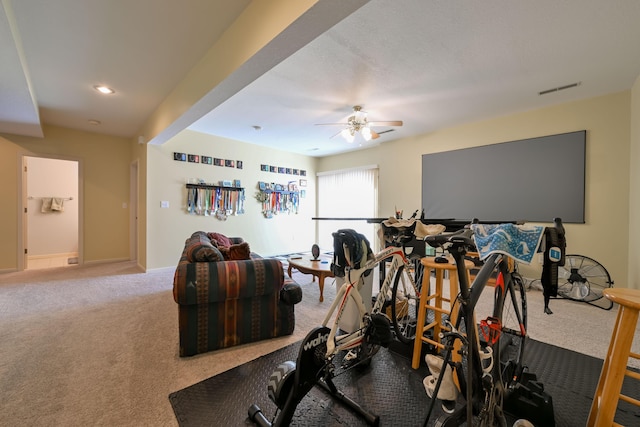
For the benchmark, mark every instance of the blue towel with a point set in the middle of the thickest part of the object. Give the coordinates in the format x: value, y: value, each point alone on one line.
x: 520, y: 242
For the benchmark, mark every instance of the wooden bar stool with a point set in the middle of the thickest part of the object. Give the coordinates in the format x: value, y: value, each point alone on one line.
x: 614, y: 369
x: 434, y: 301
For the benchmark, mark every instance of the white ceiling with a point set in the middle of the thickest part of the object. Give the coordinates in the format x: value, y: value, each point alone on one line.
x: 429, y: 63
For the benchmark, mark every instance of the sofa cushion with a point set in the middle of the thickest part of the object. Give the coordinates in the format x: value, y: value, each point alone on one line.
x: 199, y: 249
x: 236, y: 252
x: 219, y: 239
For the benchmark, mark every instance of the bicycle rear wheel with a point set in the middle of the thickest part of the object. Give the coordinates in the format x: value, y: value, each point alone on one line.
x: 404, y: 306
x: 511, y: 310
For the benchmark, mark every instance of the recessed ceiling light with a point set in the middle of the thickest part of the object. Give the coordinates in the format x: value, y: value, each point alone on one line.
x: 104, y: 89
x: 95, y: 122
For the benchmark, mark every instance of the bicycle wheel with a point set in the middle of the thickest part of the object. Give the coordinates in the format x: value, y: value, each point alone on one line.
x: 511, y: 310
x: 583, y: 279
x: 404, y: 306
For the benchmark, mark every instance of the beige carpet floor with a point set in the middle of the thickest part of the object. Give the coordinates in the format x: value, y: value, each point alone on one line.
x: 98, y: 344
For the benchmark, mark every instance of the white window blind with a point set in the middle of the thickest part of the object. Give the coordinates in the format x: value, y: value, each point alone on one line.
x: 349, y: 193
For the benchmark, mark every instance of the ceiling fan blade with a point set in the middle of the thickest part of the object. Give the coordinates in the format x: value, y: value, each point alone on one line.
x: 334, y: 135
x: 385, y: 131
x: 332, y: 124
x: 388, y: 123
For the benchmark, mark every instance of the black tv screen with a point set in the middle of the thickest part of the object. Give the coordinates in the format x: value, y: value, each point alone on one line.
x: 534, y: 180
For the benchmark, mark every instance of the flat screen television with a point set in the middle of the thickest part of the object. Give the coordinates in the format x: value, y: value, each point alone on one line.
x: 534, y: 180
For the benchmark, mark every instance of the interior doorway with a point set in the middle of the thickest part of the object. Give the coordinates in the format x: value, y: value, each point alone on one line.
x: 51, y: 212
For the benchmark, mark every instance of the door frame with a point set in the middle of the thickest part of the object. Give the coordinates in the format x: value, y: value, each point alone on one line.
x: 134, y: 213
x: 22, y: 205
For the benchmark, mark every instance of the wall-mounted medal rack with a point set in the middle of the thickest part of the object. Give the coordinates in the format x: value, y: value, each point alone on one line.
x: 215, y: 200
x: 278, y: 198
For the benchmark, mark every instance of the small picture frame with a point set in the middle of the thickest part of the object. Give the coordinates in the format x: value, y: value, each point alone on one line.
x: 193, y: 158
x: 239, y: 164
x: 207, y: 160
x: 303, y: 173
x: 288, y: 171
x: 236, y: 183
x: 280, y: 170
x: 273, y: 169
x: 218, y: 162
x: 296, y: 172
x: 181, y: 157
x: 262, y: 185
x: 303, y: 183
x: 229, y: 163
x: 303, y: 194
x: 264, y: 168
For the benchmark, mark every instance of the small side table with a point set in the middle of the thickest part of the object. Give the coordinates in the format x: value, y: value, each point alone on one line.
x: 320, y: 268
x: 436, y: 305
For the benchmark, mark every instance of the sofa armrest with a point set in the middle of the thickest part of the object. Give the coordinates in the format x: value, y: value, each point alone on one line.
x: 291, y: 293
x: 207, y: 282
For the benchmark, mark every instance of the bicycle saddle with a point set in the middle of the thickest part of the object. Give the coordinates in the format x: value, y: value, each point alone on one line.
x: 457, y: 238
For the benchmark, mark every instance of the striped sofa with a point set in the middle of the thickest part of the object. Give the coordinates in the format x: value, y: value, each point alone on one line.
x: 226, y: 303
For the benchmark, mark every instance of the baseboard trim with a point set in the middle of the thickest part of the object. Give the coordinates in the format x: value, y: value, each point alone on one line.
x: 106, y: 261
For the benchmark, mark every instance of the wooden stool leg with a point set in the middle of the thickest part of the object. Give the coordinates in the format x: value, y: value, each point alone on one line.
x: 438, y: 304
x: 605, y: 401
x: 422, y: 317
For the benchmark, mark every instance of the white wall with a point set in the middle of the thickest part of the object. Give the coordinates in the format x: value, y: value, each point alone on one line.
x: 52, y: 232
x: 167, y: 228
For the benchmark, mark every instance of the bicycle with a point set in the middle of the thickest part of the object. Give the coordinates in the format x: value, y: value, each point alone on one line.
x: 315, y: 365
x: 399, y: 296
x: 488, y: 370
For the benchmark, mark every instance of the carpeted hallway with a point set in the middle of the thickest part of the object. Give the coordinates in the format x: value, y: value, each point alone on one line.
x: 98, y: 344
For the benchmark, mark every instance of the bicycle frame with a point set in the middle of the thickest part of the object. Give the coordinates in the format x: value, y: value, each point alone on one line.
x: 469, y: 297
x: 350, y: 290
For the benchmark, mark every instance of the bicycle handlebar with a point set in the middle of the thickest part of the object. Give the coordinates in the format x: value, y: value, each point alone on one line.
x: 464, y: 236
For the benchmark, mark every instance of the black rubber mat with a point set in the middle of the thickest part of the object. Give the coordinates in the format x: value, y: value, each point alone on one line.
x: 389, y: 388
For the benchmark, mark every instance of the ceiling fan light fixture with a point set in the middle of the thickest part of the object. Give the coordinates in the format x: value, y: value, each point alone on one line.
x: 359, y: 123
x: 366, y: 133
x: 348, y: 134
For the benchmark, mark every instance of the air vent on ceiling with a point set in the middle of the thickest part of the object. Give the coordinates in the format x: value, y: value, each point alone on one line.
x: 556, y: 89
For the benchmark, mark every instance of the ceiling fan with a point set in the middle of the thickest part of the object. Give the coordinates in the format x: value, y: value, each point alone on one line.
x: 358, y: 123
